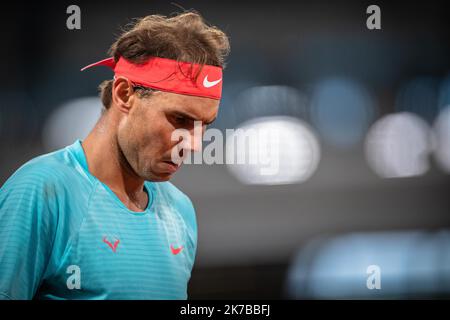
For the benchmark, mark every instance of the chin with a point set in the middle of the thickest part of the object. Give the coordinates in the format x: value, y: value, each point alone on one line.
x: 157, y: 177
x: 161, y: 179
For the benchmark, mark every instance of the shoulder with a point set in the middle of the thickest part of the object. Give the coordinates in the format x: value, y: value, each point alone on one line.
x: 46, y: 193
x: 51, y: 168
x: 49, y: 178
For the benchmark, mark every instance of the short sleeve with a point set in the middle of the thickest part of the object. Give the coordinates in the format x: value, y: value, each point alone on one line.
x: 27, y: 229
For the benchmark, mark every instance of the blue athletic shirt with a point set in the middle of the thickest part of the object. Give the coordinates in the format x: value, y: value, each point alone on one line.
x: 65, y: 235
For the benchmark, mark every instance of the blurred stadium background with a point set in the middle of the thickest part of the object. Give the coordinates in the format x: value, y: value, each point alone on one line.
x: 363, y: 182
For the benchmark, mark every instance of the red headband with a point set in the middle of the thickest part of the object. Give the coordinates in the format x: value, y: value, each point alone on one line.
x: 169, y: 75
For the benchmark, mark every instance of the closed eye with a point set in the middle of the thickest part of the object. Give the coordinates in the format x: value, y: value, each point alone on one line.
x: 182, y: 121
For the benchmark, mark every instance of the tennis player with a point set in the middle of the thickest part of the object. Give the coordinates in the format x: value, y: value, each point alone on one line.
x: 99, y: 219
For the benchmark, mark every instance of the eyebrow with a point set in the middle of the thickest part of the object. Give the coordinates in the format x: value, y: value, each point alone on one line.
x: 190, y: 117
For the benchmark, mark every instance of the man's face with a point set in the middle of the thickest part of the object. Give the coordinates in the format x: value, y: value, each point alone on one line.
x: 145, y: 133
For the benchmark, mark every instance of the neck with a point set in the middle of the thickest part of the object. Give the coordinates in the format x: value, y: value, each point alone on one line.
x: 106, y: 161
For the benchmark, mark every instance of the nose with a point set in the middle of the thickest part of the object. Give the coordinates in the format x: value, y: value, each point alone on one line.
x: 196, y: 144
x: 192, y: 143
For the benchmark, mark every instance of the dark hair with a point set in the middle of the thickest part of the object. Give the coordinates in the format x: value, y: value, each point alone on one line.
x: 183, y: 37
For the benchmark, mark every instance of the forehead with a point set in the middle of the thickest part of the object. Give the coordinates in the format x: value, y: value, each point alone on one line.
x: 199, y: 107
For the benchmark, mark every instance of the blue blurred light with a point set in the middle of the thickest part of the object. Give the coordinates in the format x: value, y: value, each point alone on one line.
x: 444, y: 93
x: 266, y: 101
x: 419, y: 96
x: 342, y: 110
x: 411, y: 264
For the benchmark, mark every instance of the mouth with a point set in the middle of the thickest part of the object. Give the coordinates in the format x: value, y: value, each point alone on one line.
x: 171, y: 167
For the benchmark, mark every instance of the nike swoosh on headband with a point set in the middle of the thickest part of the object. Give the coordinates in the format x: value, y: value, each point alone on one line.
x: 209, y: 84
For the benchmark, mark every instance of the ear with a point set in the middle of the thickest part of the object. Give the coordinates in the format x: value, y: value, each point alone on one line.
x: 123, y: 94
